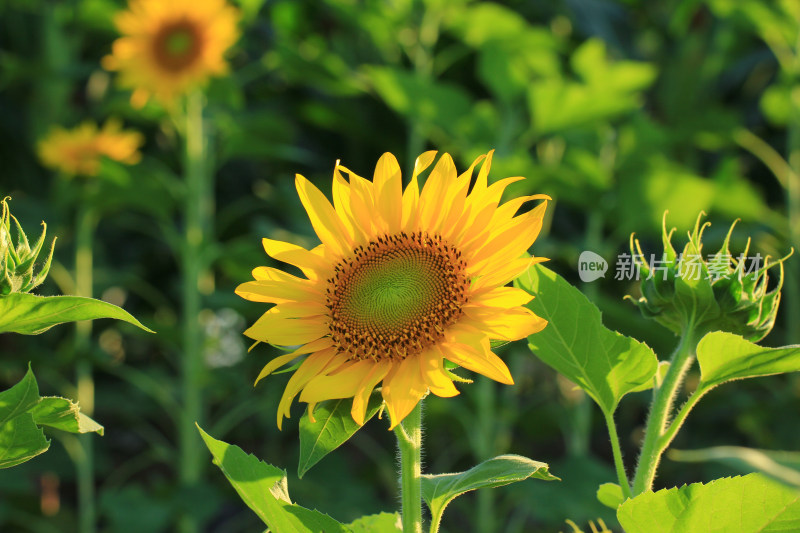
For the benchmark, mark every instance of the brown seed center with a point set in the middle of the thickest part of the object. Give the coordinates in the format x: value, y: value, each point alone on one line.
x: 396, y: 296
x: 177, y: 45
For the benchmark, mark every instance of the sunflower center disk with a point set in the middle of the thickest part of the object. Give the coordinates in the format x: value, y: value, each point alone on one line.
x: 395, y: 296
x: 177, y: 45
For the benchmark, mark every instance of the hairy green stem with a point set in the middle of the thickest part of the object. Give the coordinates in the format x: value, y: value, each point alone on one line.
x: 86, y: 222
x: 195, y: 215
x: 617, y: 451
x: 409, y: 442
x: 663, y: 399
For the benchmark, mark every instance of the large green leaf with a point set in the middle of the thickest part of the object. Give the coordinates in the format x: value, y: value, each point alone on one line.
x: 22, y: 411
x: 604, y: 363
x: 377, y: 523
x: 725, y: 357
x: 263, y: 488
x: 440, y: 489
x: 746, y: 504
x: 29, y: 314
x: 333, y: 427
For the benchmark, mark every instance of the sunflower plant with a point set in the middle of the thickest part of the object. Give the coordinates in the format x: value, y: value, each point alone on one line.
x: 23, y: 412
x: 718, y: 308
x: 406, y: 285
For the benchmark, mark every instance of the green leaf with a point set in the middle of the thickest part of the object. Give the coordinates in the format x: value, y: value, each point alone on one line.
x: 440, y: 489
x: 610, y: 495
x: 779, y: 465
x: 263, y: 488
x: 333, y: 427
x: 604, y: 363
x: 30, y: 315
x: 20, y: 398
x: 751, y: 503
x: 725, y: 357
x: 61, y: 413
x: 377, y: 523
x: 22, y: 411
x: 20, y: 440
x: 663, y: 368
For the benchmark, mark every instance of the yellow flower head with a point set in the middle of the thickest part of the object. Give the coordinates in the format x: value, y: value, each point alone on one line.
x: 402, y: 281
x: 170, y: 46
x: 78, y: 151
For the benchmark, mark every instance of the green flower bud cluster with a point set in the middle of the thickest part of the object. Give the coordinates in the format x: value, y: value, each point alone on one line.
x: 723, y: 293
x: 17, y: 259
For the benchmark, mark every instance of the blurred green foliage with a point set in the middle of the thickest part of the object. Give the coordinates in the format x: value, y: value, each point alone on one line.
x: 618, y: 109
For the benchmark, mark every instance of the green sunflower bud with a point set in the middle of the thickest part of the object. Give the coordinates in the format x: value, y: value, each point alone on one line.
x: 719, y: 293
x: 18, y: 259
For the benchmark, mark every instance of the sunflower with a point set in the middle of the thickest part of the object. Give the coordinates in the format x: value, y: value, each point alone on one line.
x: 78, y: 151
x: 168, y: 47
x: 402, y: 281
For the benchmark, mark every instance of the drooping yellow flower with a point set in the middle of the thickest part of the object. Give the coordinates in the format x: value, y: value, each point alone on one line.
x: 402, y: 281
x: 170, y: 46
x: 79, y: 151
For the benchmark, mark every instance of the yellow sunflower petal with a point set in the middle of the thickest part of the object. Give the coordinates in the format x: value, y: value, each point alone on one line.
x: 507, y: 325
x: 341, y: 202
x: 503, y: 297
x: 478, y: 359
x: 281, y: 360
x: 411, y: 194
x: 312, y: 265
x: 510, y: 242
x: 361, y: 397
x: 403, y: 389
x: 505, y: 273
x: 431, y: 201
x: 323, y: 216
x: 389, y: 191
x: 312, y: 366
x: 275, y: 328
x: 275, y: 291
x: 343, y: 384
x: 432, y: 368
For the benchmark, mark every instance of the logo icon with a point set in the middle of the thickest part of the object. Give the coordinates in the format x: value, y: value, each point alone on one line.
x: 591, y: 266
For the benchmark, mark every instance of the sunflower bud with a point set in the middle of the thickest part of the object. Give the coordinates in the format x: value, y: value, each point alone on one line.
x: 718, y: 293
x: 17, y: 260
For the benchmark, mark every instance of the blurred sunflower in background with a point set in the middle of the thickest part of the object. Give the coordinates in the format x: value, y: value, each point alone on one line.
x: 401, y: 282
x: 79, y: 151
x: 169, y: 47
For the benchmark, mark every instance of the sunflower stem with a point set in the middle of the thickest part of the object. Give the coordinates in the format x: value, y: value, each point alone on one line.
x: 409, y: 442
x: 85, y: 224
x: 195, y: 223
x: 661, y: 408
